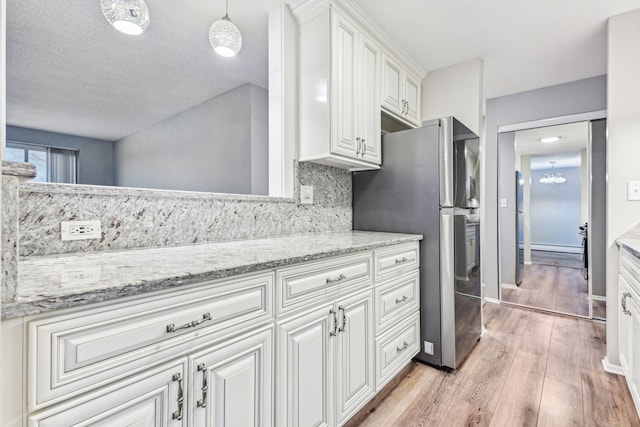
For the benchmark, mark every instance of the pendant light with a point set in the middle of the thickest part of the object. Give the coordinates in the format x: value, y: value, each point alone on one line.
x: 553, y: 178
x: 224, y: 36
x: 127, y: 16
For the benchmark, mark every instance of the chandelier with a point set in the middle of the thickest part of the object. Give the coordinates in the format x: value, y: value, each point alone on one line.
x: 551, y: 178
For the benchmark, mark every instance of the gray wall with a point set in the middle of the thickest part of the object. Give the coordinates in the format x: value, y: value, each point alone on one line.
x: 555, y: 101
x: 555, y: 209
x: 95, y: 156
x: 598, y: 201
x: 206, y: 148
x: 507, y: 186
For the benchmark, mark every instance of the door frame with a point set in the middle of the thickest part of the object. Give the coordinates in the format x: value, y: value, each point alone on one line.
x: 553, y: 121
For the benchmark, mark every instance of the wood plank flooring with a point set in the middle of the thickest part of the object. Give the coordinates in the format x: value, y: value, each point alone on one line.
x: 549, y: 287
x: 529, y: 369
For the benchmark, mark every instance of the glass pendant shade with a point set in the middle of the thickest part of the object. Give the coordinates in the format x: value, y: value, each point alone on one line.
x: 127, y: 16
x: 551, y: 178
x: 225, y: 37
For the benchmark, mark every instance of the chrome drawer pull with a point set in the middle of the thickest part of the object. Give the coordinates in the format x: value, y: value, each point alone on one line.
x: 402, y: 260
x: 624, y: 303
x: 335, y: 323
x: 178, y: 414
x: 202, y: 403
x: 403, y: 348
x: 403, y: 299
x: 172, y: 326
x: 344, y: 320
x: 337, y: 279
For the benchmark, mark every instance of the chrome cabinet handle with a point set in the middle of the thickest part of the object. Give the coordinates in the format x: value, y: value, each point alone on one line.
x: 357, y: 145
x: 335, y: 323
x: 624, y: 303
x: 337, y: 279
x: 173, y: 328
x: 344, y: 320
x: 177, y: 415
x: 403, y: 299
x: 364, y: 146
x: 202, y: 403
x: 401, y: 260
x: 403, y: 348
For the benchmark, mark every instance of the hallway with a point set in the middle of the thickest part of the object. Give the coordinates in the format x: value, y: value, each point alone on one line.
x: 529, y: 369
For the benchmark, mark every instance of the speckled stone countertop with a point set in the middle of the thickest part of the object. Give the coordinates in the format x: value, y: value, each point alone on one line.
x: 631, y: 244
x: 48, y: 283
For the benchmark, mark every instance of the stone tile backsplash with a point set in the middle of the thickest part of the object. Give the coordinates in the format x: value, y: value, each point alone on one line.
x: 138, y: 218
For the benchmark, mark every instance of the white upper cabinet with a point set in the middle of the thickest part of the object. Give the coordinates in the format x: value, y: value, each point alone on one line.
x: 400, y: 91
x: 342, y: 82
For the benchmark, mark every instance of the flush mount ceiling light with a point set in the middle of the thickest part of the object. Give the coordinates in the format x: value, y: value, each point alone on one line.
x: 550, y: 139
x: 224, y: 36
x: 553, y: 178
x: 127, y: 16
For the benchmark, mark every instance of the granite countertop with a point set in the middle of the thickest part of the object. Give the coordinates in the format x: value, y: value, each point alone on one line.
x: 47, y: 283
x: 630, y: 243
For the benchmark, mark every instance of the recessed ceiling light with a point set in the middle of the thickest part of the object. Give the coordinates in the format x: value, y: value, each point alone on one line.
x: 549, y: 139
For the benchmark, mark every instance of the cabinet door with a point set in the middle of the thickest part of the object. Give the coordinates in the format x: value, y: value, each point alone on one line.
x: 634, y: 352
x: 231, y: 383
x: 412, y: 99
x: 369, y: 101
x: 392, y: 86
x: 305, y: 369
x: 355, y: 366
x: 625, y: 327
x: 343, y: 88
x: 153, y: 399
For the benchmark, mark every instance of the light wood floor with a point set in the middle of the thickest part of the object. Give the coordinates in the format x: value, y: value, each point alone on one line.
x: 551, y: 287
x: 561, y: 259
x: 530, y: 369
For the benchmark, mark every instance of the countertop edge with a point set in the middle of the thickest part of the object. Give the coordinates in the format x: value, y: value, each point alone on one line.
x: 27, y: 308
x: 632, y: 245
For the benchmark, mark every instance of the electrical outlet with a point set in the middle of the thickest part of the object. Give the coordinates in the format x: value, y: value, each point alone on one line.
x: 633, y: 190
x: 428, y: 347
x: 80, y: 230
x: 306, y: 194
x: 504, y: 203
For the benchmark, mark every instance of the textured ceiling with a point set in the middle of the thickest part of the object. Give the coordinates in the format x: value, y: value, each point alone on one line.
x: 69, y: 71
x: 525, y: 44
x: 566, y: 152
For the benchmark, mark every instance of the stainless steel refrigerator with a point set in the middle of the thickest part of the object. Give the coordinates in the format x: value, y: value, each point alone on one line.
x: 429, y: 185
x: 519, y: 227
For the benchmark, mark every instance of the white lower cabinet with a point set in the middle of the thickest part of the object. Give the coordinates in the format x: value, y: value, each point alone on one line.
x: 629, y: 322
x: 153, y: 399
x: 231, y: 383
x: 325, y: 362
x: 215, y: 354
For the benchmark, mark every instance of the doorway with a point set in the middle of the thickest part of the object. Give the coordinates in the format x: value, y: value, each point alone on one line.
x: 549, y: 197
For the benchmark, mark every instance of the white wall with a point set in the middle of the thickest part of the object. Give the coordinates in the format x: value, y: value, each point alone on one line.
x: 623, y: 111
x: 454, y: 91
x: 215, y: 144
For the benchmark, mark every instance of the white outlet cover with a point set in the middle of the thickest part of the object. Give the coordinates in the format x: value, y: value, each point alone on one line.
x: 80, y: 230
x: 504, y: 203
x: 306, y: 194
x: 633, y: 190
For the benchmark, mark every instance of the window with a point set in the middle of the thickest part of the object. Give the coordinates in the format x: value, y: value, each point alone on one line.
x: 52, y: 164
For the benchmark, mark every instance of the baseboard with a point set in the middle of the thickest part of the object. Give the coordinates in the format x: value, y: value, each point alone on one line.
x: 598, y: 298
x: 611, y: 368
x: 492, y: 300
x: 528, y: 263
x: 509, y: 286
x: 552, y: 248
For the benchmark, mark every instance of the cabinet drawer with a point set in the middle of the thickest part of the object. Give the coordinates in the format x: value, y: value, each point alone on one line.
x: 396, y: 259
x: 395, y: 299
x: 307, y: 283
x: 73, y: 353
x: 150, y: 399
x: 630, y: 269
x: 396, y: 348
